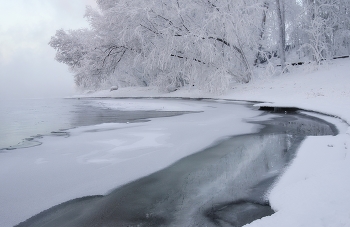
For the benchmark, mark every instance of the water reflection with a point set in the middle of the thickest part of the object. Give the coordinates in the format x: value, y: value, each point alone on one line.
x: 223, y: 185
x: 22, y: 122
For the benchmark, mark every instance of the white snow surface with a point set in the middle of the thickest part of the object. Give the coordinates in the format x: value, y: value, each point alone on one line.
x: 96, y: 159
x: 315, y: 189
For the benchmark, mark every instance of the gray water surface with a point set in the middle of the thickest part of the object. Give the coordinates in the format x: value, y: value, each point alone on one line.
x: 24, y: 120
x: 223, y: 185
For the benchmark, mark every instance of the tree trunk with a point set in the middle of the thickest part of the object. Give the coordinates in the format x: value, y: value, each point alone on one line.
x: 261, y: 36
x: 282, y: 33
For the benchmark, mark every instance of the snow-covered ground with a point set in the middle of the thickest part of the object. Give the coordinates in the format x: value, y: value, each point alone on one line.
x: 315, y: 188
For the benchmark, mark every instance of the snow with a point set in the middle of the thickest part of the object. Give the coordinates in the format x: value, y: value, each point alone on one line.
x: 315, y: 189
x: 96, y: 159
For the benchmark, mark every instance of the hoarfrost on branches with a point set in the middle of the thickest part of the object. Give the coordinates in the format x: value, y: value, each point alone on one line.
x: 206, y: 44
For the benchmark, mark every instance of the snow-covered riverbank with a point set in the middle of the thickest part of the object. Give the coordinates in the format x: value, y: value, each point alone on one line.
x: 315, y: 188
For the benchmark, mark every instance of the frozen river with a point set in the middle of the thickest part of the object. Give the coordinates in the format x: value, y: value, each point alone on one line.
x: 208, y: 167
x: 23, y: 120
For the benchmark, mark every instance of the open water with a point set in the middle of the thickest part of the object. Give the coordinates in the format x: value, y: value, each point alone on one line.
x: 23, y: 120
x: 222, y: 185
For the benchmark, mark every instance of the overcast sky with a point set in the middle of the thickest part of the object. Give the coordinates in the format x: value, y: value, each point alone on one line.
x: 27, y: 65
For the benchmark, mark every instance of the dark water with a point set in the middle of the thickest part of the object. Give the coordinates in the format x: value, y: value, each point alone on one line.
x: 22, y: 121
x: 223, y: 185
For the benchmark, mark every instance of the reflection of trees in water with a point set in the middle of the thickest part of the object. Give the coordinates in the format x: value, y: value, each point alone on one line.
x: 222, y: 185
x: 89, y: 115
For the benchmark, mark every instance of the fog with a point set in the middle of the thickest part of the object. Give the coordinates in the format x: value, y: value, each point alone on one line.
x: 27, y: 65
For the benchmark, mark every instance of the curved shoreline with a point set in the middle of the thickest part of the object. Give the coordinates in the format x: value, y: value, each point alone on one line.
x: 219, y: 210
x: 262, y: 105
x: 290, y: 212
x: 304, y: 152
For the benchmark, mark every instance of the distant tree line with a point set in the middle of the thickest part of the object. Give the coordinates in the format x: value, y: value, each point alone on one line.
x: 204, y: 43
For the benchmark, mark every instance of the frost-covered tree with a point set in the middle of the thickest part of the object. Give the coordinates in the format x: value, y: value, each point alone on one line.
x: 324, y: 29
x: 280, y: 9
x: 319, y: 29
x: 207, y: 44
x: 169, y: 43
x: 340, y: 39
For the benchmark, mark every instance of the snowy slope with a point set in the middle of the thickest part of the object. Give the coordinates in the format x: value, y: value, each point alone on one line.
x: 315, y: 188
